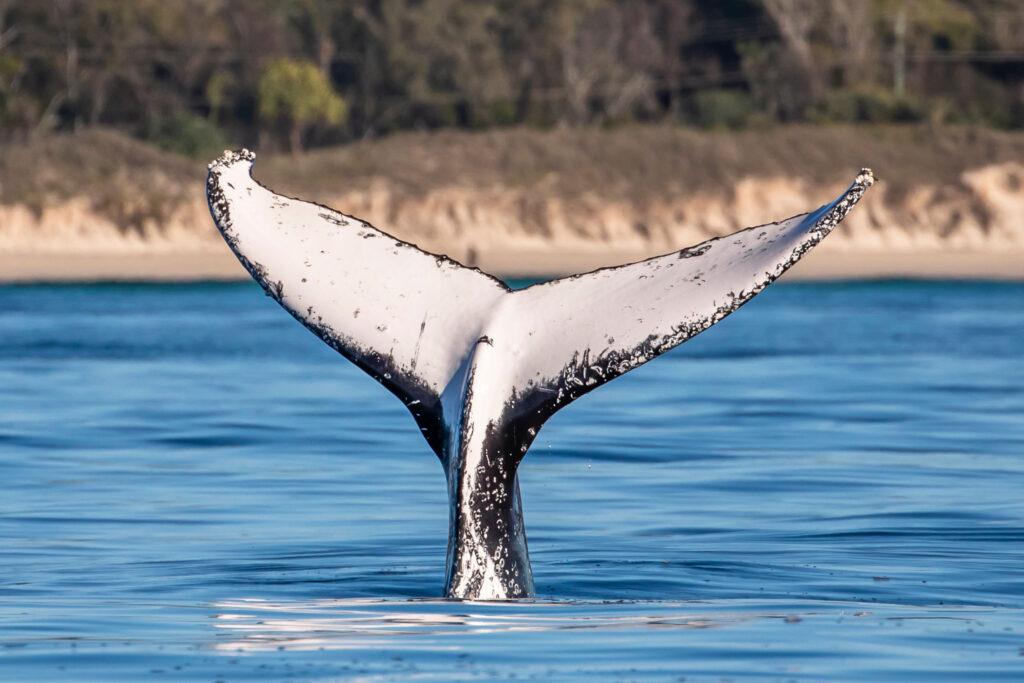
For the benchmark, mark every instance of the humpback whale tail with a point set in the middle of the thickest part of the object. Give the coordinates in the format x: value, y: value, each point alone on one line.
x: 481, y: 367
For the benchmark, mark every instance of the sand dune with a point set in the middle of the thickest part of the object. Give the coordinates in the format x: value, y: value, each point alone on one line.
x: 967, y: 226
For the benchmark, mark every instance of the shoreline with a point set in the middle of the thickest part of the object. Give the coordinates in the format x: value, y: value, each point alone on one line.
x: 39, y: 267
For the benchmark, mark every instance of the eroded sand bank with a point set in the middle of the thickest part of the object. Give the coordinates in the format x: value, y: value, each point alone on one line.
x: 964, y: 225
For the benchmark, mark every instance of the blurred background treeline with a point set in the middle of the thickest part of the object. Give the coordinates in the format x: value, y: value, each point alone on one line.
x: 193, y: 76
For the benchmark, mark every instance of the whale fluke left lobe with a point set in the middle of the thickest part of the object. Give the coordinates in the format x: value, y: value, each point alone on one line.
x: 404, y: 316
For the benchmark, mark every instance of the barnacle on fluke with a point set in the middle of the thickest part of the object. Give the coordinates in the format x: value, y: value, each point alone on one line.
x: 479, y: 366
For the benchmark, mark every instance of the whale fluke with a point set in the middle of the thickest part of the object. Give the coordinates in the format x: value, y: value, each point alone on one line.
x: 481, y: 367
x: 404, y: 316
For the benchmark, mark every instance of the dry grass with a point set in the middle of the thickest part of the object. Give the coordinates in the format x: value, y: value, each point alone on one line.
x: 130, y: 180
x: 637, y: 161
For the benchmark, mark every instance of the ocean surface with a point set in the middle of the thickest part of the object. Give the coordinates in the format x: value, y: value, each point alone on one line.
x: 827, y: 485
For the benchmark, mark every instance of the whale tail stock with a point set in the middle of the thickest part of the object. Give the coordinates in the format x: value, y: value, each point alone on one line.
x: 481, y: 367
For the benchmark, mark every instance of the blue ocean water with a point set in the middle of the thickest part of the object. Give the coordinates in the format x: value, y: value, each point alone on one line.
x: 827, y: 485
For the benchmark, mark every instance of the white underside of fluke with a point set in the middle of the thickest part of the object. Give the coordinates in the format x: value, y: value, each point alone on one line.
x: 481, y: 367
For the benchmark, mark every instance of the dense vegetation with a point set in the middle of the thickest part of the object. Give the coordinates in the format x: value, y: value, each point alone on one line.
x: 197, y: 75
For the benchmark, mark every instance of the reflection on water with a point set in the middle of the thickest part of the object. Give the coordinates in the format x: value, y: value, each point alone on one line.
x: 825, y: 486
x: 803, y: 640
x: 261, y: 625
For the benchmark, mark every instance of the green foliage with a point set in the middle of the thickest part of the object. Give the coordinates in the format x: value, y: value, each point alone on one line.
x: 332, y: 70
x: 723, y: 108
x: 18, y: 111
x: 218, y: 92
x: 934, y: 23
x: 497, y: 113
x: 296, y: 95
x: 9, y: 68
x: 187, y: 134
x: 995, y: 113
x: 869, y: 105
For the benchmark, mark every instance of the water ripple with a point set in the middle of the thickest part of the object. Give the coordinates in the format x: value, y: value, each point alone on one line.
x: 825, y: 486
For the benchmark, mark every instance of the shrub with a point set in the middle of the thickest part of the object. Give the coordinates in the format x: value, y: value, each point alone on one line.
x: 723, y: 108
x: 188, y: 134
x: 869, y: 105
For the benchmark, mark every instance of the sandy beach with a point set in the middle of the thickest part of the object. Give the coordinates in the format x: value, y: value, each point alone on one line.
x: 221, y: 265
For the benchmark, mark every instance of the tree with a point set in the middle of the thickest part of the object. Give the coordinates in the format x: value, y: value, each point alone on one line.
x: 294, y: 95
x: 798, y: 70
